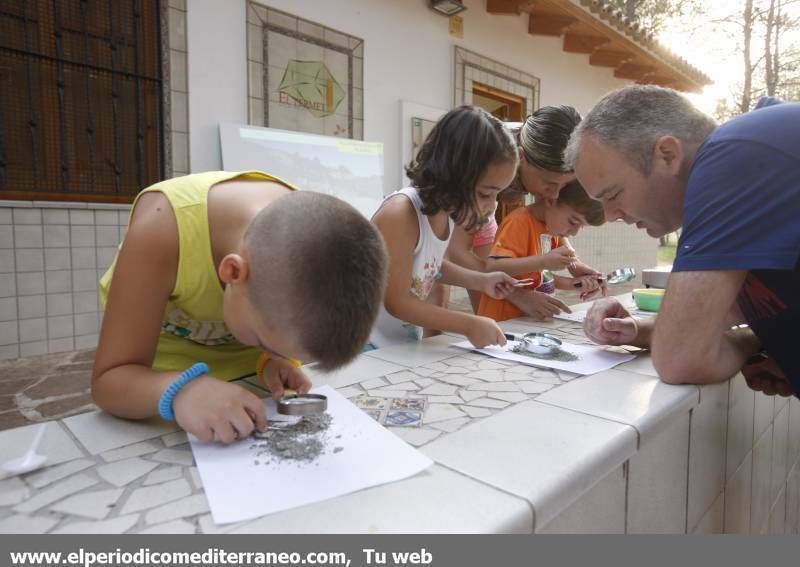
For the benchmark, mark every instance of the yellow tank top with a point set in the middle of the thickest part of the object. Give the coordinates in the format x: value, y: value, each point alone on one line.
x: 193, y: 328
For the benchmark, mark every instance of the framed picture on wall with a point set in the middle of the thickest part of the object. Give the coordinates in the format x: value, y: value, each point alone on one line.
x: 420, y: 128
x: 416, y: 121
x: 303, y: 76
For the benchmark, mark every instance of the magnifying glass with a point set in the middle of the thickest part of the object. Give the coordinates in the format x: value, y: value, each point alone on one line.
x: 302, y: 404
x: 536, y: 343
x: 541, y: 343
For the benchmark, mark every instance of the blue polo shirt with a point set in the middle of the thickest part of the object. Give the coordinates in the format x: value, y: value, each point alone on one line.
x: 742, y: 212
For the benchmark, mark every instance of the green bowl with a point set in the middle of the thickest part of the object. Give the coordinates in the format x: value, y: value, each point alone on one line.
x: 648, y: 299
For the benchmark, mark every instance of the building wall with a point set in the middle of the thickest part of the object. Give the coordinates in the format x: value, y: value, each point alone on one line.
x: 53, y: 253
x: 49, y: 251
x: 408, y: 55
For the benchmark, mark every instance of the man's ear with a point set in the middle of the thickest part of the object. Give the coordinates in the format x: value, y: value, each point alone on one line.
x: 233, y: 269
x: 669, y: 152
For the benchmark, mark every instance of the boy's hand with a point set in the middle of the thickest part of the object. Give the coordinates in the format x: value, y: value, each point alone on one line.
x: 609, y: 323
x: 543, y: 305
x: 484, y: 331
x: 497, y: 284
x: 559, y: 258
x: 280, y: 372
x: 211, y: 409
x: 578, y: 269
x: 589, y: 286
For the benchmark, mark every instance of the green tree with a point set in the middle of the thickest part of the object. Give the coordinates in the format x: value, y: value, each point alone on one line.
x: 653, y: 15
x: 767, y: 34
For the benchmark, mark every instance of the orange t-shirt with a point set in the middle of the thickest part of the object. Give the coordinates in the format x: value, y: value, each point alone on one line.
x: 519, y: 235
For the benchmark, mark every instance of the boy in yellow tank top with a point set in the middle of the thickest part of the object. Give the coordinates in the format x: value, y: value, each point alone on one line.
x: 220, y: 269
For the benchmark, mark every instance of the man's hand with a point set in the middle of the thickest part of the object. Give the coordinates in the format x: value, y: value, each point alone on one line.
x: 212, y: 410
x: 764, y: 375
x: 280, y: 372
x: 609, y: 323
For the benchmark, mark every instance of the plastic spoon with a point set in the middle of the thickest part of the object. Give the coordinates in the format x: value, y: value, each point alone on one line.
x: 618, y: 276
x: 31, y: 460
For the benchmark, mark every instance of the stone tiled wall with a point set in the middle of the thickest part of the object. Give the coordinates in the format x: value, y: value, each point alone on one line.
x: 51, y: 257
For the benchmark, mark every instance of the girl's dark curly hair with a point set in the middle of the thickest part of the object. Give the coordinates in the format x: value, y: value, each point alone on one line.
x: 455, y: 154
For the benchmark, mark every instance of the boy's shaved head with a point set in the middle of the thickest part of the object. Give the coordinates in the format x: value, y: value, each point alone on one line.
x: 317, y: 273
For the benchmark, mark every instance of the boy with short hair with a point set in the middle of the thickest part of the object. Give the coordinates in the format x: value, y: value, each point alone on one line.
x: 530, y: 242
x: 221, y: 268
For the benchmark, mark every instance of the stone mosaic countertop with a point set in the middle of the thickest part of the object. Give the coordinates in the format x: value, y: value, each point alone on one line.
x: 514, y: 446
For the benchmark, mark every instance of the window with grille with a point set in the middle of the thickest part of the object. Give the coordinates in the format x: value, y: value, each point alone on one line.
x: 80, y: 99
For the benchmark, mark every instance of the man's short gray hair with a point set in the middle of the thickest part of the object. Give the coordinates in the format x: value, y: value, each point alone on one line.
x: 632, y: 119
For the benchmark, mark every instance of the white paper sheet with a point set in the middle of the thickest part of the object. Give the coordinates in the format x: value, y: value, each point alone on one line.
x: 237, y: 489
x: 591, y: 359
x: 580, y: 316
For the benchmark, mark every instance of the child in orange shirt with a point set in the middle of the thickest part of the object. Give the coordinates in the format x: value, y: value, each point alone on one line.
x: 530, y: 242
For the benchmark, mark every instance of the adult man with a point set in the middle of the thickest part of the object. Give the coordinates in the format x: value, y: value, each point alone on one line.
x: 656, y: 161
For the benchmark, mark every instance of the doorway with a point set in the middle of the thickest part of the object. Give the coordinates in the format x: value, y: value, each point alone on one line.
x: 506, y: 106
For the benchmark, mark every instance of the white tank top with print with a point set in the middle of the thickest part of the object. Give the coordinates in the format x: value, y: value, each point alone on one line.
x: 427, y: 263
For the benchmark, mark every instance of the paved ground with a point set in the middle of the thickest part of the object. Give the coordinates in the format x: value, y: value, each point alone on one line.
x: 53, y: 386
x: 45, y: 387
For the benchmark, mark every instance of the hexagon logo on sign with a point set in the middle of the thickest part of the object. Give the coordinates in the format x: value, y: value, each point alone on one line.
x: 311, y: 85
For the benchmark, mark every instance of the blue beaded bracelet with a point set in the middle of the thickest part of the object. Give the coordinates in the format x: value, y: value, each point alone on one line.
x: 165, y: 403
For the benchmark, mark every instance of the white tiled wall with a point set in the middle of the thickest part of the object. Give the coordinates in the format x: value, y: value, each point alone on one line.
x: 713, y: 521
x: 658, y: 481
x: 705, y: 473
x: 738, y: 487
x: 760, y: 502
x: 51, y: 257
x: 600, y: 511
x: 707, y: 437
x: 177, y: 61
x: 743, y: 477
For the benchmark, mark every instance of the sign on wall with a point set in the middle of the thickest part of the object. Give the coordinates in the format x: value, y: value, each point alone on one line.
x: 303, y: 76
x: 311, y: 85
